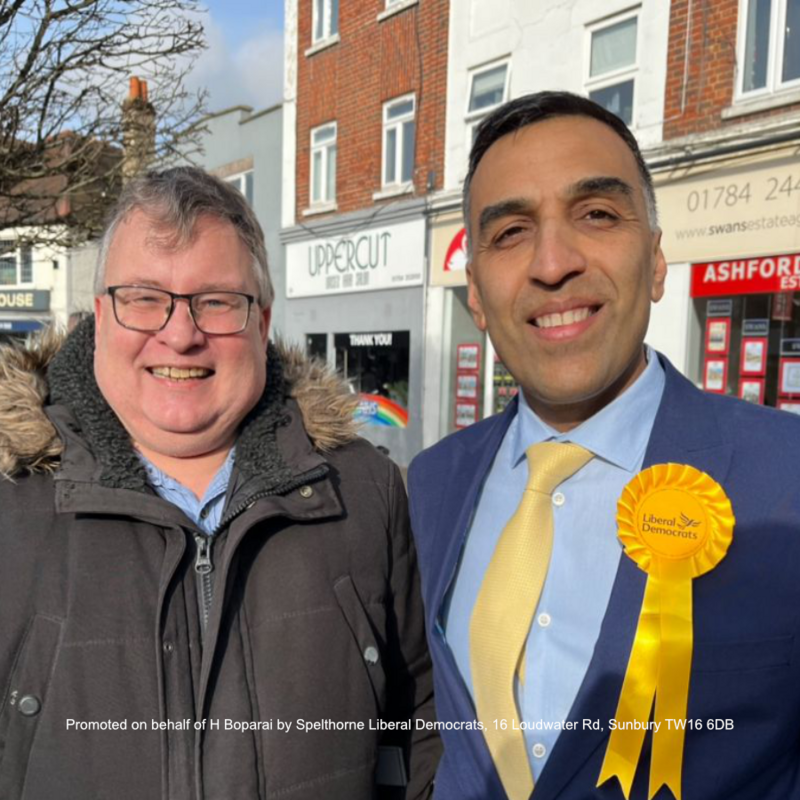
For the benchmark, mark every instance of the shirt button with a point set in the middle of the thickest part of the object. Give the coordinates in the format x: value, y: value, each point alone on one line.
x: 306, y: 491
x: 539, y: 750
x: 204, y: 513
x: 544, y: 620
x: 558, y: 499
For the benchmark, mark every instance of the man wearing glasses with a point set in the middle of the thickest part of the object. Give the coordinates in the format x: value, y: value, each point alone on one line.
x: 208, y: 585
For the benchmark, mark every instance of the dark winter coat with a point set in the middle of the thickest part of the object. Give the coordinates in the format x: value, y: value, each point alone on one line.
x: 310, y: 613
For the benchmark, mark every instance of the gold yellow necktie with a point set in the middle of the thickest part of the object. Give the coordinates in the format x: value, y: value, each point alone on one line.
x: 505, y: 607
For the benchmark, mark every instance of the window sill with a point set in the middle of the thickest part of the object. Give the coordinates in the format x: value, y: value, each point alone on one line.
x: 394, y: 191
x: 320, y: 208
x: 322, y: 44
x: 741, y: 108
x: 396, y: 9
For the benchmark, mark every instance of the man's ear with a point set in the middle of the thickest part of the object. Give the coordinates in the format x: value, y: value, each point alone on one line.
x: 474, y: 299
x: 264, y: 319
x: 659, y: 269
x: 98, y: 312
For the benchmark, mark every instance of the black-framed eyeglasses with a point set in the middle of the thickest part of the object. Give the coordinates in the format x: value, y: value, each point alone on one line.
x: 148, y: 310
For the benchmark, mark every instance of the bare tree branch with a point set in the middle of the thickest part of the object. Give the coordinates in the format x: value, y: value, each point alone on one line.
x: 64, y: 70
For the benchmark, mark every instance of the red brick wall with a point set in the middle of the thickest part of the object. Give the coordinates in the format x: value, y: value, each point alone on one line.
x: 349, y: 82
x: 709, y: 85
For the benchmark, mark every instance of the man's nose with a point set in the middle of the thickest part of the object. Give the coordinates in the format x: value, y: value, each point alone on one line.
x: 558, y: 253
x: 180, y: 333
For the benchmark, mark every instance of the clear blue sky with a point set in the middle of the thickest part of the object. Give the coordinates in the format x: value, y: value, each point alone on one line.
x: 244, y: 62
x: 239, y: 19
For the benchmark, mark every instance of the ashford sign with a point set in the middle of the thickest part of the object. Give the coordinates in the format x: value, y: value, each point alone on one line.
x: 365, y: 260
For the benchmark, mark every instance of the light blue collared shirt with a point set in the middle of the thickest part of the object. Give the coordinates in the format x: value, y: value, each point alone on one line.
x: 585, y: 553
x: 206, y: 512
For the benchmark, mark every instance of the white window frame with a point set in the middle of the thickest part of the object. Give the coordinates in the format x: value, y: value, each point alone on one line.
x: 16, y: 251
x: 328, y: 194
x: 397, y: 124
x: 392, y: 7
x: 774, y: 85
x: 239, y: 180
x: 474, y: 118
x: 328, y: 23
x: 621, y: 75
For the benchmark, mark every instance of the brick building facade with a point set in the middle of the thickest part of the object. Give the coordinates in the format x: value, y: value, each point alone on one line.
x: 375, y: 59
x: 364, y: 139
x: 728, y: 186
x: 705, y: 49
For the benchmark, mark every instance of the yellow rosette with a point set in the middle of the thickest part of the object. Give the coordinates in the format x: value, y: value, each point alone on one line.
x: 676, y: 523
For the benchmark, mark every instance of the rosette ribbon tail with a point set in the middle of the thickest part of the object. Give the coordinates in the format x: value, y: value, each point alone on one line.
x: 672, y: 691
x: 636, y: 698
x: 676, y: 523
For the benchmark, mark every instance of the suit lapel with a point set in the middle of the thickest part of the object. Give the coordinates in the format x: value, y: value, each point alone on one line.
x: 461, y: 496
x: 685, y: 432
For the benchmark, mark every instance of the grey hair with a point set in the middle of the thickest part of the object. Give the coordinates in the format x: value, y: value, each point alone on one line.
x: 537, y: 107
x: 175, y: 199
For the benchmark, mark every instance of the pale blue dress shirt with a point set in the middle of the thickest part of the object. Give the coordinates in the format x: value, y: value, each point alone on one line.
x: 205, y: 512
x: 585, y: 554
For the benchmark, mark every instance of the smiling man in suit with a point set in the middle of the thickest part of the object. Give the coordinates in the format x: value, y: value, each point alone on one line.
x: 531, y: 603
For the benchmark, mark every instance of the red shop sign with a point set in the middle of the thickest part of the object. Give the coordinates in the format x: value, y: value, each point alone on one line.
x: 746, y: 276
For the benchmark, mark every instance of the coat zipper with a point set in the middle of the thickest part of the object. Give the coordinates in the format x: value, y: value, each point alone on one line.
x: 203, y: 563
x: 204, y: 566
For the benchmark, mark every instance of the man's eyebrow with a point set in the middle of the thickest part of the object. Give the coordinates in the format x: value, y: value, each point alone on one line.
x: 217, y: 286
x: 601, y: 185
x: 140, y: 280
x: 502, y: 209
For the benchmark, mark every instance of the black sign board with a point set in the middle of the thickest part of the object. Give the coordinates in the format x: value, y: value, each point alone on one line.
x: 719, y: 308
x: 790, y: 347
x: 755, y: 327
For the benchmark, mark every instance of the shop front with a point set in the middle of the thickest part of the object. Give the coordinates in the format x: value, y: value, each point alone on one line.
x: 732, y: 237
x: 751, y: 328
x: 23, y: 312
x: 355, y: 299
x: 473, y: 383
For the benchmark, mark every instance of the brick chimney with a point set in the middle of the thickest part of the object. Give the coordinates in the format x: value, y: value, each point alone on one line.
x: 138, y: 130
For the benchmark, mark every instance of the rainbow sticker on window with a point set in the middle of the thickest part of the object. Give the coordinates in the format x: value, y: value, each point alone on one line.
x: 374, y: 409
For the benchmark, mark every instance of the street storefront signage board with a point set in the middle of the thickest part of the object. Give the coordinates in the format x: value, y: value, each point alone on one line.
x: 722, y: 211
x: 24, y: 299
x: 767, y: 274
x: 362, y: 260
x: 719, y: 308
x: 19, y: 326
x: 755, y: 327
x: 448, y: 250
x: 790, y: 347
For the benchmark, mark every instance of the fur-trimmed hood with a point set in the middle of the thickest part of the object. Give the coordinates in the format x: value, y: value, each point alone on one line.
x: 45, y: 372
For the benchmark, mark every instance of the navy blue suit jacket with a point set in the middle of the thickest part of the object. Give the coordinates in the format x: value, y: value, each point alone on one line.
x: 746, y: 663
